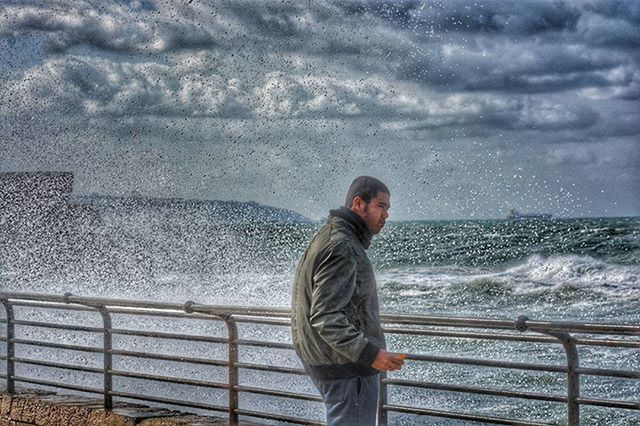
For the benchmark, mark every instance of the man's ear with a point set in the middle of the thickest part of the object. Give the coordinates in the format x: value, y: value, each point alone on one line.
x: 357, y: 203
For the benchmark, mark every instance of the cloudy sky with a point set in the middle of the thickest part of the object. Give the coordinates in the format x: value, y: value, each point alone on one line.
x: 466, y: 109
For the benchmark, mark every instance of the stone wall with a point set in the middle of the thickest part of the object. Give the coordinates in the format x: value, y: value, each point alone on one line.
x: 50, y: 409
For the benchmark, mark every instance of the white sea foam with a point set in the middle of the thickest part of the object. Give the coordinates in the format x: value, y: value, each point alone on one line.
x: 575, y: 270
x: 535, y: 274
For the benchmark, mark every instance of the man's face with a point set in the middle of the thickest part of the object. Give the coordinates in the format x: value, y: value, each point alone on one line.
x: 375, y: 212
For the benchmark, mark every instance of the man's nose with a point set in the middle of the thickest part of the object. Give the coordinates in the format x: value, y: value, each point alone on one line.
x: 385, y: 214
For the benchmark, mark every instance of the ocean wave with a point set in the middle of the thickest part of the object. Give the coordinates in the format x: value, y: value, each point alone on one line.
x: 575, y: 271
x: 537, y: 278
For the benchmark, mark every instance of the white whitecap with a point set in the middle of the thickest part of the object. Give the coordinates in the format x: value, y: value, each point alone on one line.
x: 575, y: 270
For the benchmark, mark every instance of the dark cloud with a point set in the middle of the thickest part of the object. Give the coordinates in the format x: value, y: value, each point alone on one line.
x: 536, y: 83
x: 270, y: 19
x: 528, y: 47
x: 525, y: 66
x: 616, y: 9
x: 610, y: 30
x: 109, y: 27
x: 511, y: 17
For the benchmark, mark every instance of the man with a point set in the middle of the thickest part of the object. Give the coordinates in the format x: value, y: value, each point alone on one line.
x: 335, y: 317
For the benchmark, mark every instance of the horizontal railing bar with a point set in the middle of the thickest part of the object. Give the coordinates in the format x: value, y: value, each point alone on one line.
x: 88, y: 301
x: 592, y: 328
x: 283, y: 394
x: 57, y: 345
x: 471, y: 335
x: 170, y: 401
x: 264, y: 344
x: 459, y: 416
x: 279, y: 417
x: 154, y: 334
x: 447, y: 321
x: 257, y: 320
x: 241, y: 310
x: 497, y: 324
x: 488, y: 363
x: 3, y: 338
x: 194, y: 307
x: 161, y: 313
x: 173, y: 336
x: 625, y: 374
x: 575, y: 327
x: 568, y: 327
x: 163, y: 357
x: 51, y: 305
x: 476, y: 390
x: 58, y: 365
x: 617, y: 343
x: 59, y: 326
x: 56, y: 385
x: 511, y: 337
x: 166, y: 379
x: 629, y: 405
x: 271, y: 368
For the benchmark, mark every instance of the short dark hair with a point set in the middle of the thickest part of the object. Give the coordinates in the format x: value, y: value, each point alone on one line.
x: 365, y: 187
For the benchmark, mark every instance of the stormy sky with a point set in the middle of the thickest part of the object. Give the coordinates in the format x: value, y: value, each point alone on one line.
x: 465, y: 109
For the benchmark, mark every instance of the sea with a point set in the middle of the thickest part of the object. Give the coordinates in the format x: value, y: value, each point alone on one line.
x: 558, y: 269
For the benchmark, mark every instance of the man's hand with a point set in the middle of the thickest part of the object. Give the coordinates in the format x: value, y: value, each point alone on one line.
x: 387, y: 361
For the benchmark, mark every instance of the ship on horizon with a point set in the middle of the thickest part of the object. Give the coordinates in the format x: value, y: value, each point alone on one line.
x: 515, y: 214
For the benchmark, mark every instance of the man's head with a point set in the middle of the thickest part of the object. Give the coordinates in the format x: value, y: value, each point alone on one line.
x: 370, y: 199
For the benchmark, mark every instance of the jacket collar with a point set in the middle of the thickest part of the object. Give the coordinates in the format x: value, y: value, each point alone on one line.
x: 358, y: 226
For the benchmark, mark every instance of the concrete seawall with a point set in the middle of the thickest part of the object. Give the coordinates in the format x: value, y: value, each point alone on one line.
x: 35, y: 407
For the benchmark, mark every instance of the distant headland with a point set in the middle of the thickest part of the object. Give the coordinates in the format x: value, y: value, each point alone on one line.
x: 35, y: 188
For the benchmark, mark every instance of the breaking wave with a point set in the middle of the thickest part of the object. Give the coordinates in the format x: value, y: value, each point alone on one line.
x: 574, y: 270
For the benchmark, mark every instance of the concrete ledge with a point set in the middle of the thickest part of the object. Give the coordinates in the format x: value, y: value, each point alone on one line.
x: 35, y: 407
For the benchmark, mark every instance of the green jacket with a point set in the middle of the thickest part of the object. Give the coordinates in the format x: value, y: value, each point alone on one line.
x: 335, y: 317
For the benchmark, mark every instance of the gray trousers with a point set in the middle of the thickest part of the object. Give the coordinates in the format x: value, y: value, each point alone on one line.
x: 350, y: 401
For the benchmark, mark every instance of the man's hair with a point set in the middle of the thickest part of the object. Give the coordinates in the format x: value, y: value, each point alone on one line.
x: 365, y: 187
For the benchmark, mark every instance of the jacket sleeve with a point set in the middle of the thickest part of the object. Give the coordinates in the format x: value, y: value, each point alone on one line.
x: 334, y: 282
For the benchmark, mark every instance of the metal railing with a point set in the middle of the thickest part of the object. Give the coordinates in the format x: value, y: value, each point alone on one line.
x: 570, y: 336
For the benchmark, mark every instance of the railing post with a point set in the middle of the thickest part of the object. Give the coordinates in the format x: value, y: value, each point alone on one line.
x: 382, y: 400
x: 107, y: 357
x: 10, y: 346
x: 573, y: 363
x: 107, y: 346
x: 232, y: 331
x: 573, y: 379
x: 233, y: 369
